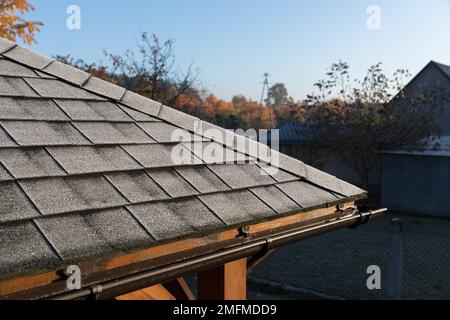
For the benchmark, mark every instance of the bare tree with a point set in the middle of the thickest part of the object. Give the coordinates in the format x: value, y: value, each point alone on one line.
x: 367, y: 120
x: 152, y: 71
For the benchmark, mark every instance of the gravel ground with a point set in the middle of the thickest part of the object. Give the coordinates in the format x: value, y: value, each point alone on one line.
x: 334, y: 265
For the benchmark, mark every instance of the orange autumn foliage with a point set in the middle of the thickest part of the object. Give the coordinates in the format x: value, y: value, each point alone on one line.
x: 13, y: 25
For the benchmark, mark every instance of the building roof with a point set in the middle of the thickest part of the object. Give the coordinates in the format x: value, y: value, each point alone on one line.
x: 87, y: 170
x: 434, y: 147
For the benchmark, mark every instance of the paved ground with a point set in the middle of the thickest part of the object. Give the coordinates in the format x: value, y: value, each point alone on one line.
x: 334, y: 265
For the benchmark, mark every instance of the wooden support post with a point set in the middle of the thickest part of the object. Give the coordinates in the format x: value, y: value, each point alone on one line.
x: 179, y: 289
x: 227, y: 282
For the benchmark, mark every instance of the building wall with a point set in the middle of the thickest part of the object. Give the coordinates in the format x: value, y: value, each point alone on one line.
x: 431, y: 79
x: 416, y: 184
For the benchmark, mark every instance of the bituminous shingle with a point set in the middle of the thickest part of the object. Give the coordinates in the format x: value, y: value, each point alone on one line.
x: 290, y: 164
x: 4, y: 175
x: 166, y: 133
x: 60, y: 195
x: 237, y: 207
x: 276, y: 199
x: 203, y: 179
x: 138, y: 116
x: 22, y: 248
x: 89, y: 159
x: 67, y: 72
x: 161, y: 156
x: 104, y: 88
x: 242, y: 176
x: 213, y: 153
x: 94, y: 234
x: 30, y: 109
x: 172, y: 182
x: 306, y: 194
x: 15, y: 87
x: 6, y: 45
x: 14, y: 205
x: 174, y: 219
x: 29, y: 163
x: 179, y: 118
x: 9, y: 68
x: 28, y: 57
x: 278, y: 174
x: 113, y: 133
x: 52, y: 88
x: 349, y: 190
x: 137, y: 186
x: 36, y: 133
x: 216, y: 133
x: 5, y: 140
x: 322, y: 179
x: 93, y: 111
x: 141, y: 103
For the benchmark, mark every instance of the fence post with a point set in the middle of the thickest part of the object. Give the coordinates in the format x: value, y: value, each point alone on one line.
x: 395, y: 259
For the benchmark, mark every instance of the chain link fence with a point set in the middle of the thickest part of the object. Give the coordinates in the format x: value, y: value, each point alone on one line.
x: 335, y: 265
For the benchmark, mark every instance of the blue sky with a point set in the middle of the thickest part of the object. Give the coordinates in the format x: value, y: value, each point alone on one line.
x: 234, y: 42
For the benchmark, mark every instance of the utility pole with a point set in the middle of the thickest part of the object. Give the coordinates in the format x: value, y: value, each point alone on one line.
x: 264, y: 89
x: 265, y: 86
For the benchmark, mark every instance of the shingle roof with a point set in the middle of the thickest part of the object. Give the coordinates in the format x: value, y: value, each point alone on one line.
x: 90, y: 169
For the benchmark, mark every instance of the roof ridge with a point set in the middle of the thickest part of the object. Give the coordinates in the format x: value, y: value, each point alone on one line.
x: 118, y: 94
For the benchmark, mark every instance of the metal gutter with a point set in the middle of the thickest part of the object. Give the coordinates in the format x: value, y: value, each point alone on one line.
x: 249, y: 247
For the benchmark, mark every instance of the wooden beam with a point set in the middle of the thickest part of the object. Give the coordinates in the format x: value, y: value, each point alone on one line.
x: 157, y: 292
x: 19, y: 284
x: 179, y: 289
x: 227, y: 282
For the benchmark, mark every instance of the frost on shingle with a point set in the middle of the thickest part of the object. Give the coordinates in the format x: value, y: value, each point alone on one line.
x: 5, y: 140
x: 214, y: 153
x: 137, y: 186
x: 137, y: 115
x: 172, y: 182
x: 93, y: 110
x: 79, y: 160
x: 161, y: 156
x: 14, y: 205
x: 113, y: 133
x: 322, y: 179
x: 306, y: 194
x: 67, y: 72
x: 30, y: 109
x: 59, y: 195
x: 29, y: 163
x: 16, y: 87
x: 237, y: 207
x: 216, y: 133
x: 278, y: 174
x: 175, y: 219
x: 92, y: 234
x: 242, y: 176
x: 179, y: 118
x: 9, y: 68
x: 141, y: 103
x: 52, y: 88
x: 104, y: 88
x: 36, y: 133
x: 349, y: 190
x: 202, y: 179
x: 23, y: 247
x: 28, y: 57
x: 166, y: 133
x: 6, y: 45
x: 276, y: 199
x: 4, y: 175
